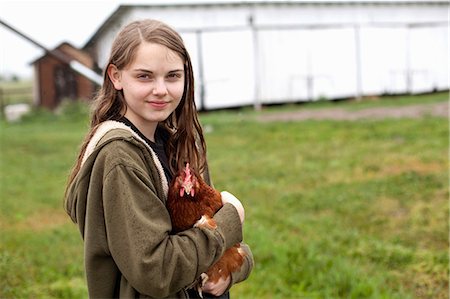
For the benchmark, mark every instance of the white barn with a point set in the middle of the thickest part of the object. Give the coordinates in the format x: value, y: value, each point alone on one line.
x: 266, y: 52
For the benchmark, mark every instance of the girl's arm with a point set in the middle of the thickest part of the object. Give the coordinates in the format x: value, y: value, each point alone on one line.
x: 138, y: 229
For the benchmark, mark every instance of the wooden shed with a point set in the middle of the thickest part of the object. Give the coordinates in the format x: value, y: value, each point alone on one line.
x: 55, y: 81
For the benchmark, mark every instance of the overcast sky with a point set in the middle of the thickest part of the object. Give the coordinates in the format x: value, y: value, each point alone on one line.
x: 51, y: 22
x: 48, y: 22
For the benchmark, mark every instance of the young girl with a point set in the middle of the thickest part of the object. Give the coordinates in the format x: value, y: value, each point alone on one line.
x: 144, y: 127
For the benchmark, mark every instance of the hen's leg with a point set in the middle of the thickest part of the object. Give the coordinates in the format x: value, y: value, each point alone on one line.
x: 203, y: 279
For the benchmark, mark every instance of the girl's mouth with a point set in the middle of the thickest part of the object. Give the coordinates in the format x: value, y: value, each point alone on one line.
x: 158, y: 104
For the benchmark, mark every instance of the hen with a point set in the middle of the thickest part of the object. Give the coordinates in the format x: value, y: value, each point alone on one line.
x: 192, y: 203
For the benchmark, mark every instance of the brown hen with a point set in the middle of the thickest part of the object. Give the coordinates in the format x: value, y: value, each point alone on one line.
x: 192, y: 203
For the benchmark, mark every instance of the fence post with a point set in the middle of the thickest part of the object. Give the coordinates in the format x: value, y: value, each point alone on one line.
x: 358, y: 94
x: 2, y: 104
x: 257, y: 105
x: 201, y: 76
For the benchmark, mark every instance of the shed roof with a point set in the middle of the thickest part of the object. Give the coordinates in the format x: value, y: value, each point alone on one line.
x: 60, y: 52
x: 211, y: 3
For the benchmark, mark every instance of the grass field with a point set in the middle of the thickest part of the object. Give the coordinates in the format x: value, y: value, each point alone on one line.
x: 334, y: 209
x: 14, y: 92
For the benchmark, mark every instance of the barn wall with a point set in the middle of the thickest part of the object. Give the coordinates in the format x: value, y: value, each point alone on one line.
x: 249, y: 54
x: 85, y: 88
x: 45, y: 68
x: 56, y: 81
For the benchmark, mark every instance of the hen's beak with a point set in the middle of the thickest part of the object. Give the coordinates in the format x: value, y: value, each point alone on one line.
x: 188, y: 189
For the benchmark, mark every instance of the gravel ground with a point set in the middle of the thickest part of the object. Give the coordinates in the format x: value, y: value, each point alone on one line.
x: 411, y: 111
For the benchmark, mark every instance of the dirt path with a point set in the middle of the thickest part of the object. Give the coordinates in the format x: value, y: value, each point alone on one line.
x: 411, y: 111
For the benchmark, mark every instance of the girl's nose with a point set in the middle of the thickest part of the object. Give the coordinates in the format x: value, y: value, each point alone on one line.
x: 160, y: 88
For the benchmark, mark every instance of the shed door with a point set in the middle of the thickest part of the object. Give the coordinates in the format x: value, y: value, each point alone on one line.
x: 65, y: 84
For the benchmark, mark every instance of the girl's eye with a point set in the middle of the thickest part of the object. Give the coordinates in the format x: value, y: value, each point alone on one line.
x: 144, y: 77
x: 174, y: 76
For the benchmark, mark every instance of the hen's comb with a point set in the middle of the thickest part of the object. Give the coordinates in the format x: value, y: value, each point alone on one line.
x: 187, y: 172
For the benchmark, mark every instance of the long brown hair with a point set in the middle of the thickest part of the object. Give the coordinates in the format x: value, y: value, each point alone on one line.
x: 186, y: 142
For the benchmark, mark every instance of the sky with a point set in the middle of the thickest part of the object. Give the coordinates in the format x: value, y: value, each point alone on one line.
x: 50, y: 23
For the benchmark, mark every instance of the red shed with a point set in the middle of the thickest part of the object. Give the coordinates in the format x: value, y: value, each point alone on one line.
x: 56, y: 81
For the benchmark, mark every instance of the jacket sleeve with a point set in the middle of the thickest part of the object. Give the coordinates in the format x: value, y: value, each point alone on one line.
x: 138, y: 228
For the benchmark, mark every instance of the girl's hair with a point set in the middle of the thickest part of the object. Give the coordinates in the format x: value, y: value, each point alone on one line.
x: 186, y: 142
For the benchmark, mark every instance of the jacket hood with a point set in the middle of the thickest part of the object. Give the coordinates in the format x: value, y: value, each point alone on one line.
x: 76, y: 197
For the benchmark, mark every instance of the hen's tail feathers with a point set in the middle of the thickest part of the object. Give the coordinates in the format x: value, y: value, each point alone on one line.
x: 230, y: 262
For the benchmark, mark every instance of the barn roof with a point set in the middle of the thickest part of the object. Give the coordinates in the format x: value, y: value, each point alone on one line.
x: 211, y: 3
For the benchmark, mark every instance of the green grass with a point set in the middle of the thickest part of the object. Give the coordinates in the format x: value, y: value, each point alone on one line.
x: 367, y: 102
x: 334, y: 209
x: 13, y: 92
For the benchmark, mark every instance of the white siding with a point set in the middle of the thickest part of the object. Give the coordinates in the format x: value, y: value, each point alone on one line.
x: 228, y: 69
x: 383, y: 60
x: 184, y: 18
x: 306, y: 52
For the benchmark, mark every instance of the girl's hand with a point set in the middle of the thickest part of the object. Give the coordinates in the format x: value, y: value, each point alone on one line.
x: 217, y: 288
x: 227, y: 197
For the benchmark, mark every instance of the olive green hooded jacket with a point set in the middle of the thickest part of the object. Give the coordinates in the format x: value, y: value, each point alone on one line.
x: 118, y: 201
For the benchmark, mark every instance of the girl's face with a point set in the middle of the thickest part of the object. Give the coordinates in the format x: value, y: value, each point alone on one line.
x: 152, y: 85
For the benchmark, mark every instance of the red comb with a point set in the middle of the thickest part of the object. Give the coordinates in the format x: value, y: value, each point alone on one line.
x: 187, y: 171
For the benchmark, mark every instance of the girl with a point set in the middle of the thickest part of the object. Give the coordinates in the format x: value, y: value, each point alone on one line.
x: 144, y: 127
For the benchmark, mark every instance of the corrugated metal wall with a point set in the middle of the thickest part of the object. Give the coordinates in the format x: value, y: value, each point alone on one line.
x: 262, y: 54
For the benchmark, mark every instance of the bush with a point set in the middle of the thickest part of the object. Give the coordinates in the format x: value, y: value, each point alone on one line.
x: 73, y: 110
x: 68, y: 110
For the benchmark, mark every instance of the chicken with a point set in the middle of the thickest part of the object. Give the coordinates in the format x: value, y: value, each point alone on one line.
x: 192, y: 203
